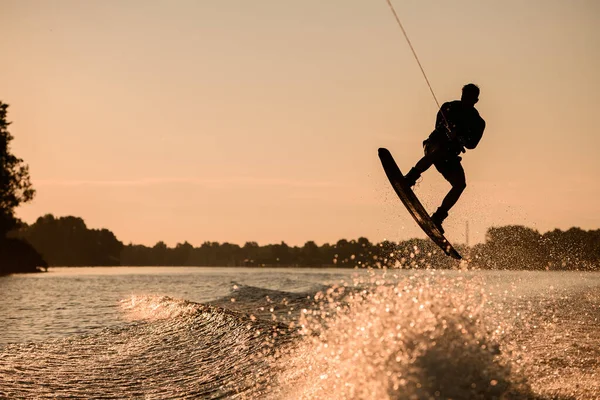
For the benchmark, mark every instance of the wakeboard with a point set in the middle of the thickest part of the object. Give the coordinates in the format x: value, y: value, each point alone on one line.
x: 413, y: 205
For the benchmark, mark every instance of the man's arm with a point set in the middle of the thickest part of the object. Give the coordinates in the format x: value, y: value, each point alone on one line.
x: 474, y: 134
x: 442, y: 120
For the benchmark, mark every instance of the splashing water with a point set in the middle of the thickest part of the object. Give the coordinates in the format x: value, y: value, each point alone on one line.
x: 422, y: 337
x: 154, y: 308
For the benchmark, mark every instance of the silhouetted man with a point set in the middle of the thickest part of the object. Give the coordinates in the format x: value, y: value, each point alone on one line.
x: 458, y: 125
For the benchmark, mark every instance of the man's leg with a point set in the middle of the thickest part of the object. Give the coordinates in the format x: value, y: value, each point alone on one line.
x: 432, y: 154
x: 454, y: 173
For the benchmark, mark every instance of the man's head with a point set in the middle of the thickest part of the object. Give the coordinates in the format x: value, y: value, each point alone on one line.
x: 470, y: 94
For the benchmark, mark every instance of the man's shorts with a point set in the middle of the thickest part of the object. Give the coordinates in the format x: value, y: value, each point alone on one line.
x: 447, y: 162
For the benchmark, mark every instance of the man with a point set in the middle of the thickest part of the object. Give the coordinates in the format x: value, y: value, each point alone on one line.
x: 458, y: 125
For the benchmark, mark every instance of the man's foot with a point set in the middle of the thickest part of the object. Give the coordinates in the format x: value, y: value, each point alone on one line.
x: 438, y: 217
x: 412, y: 177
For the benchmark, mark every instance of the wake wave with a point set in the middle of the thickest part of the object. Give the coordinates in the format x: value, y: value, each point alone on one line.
x: 417, y: 336
x: 153, y: 308
x: 175, y: 349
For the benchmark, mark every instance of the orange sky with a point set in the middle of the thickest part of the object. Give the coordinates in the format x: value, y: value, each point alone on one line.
x: 260, y: 120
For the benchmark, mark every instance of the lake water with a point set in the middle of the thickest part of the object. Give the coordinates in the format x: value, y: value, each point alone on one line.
x: 170, y: 332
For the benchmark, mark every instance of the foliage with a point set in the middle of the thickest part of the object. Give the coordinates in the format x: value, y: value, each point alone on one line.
x: 15, y: 189
x: 15, y: 185
x: 517, y: 247
x: 67, y: 241
x: 19, y: 256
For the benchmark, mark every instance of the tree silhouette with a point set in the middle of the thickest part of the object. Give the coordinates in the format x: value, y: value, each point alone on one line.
x: 15, y: 189
x: 15, y: 185
x: 513, y: 247
x: 282, y: 253
x: 182, y: 253
x: 67, y: 241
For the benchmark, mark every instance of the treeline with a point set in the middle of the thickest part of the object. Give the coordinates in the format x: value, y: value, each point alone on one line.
x: 343, y: 253
x: 66, y: 241
x: 518, y: 247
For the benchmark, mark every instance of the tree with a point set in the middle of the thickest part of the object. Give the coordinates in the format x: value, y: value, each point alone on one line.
x: 282, y: 254
x: 310, y: 254
x: 15, y: 186
x: 515, y: 247
x: 160, y: 253
x: 67, y: 241
x: 181, y: 253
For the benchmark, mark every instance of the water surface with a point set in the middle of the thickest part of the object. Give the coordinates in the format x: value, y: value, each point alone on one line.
x: 169, y: 332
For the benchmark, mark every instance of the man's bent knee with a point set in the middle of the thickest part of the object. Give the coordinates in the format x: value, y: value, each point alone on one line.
x: 462, y: 185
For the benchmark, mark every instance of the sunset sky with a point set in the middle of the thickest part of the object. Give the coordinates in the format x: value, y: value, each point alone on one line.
x: 237, y: 120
